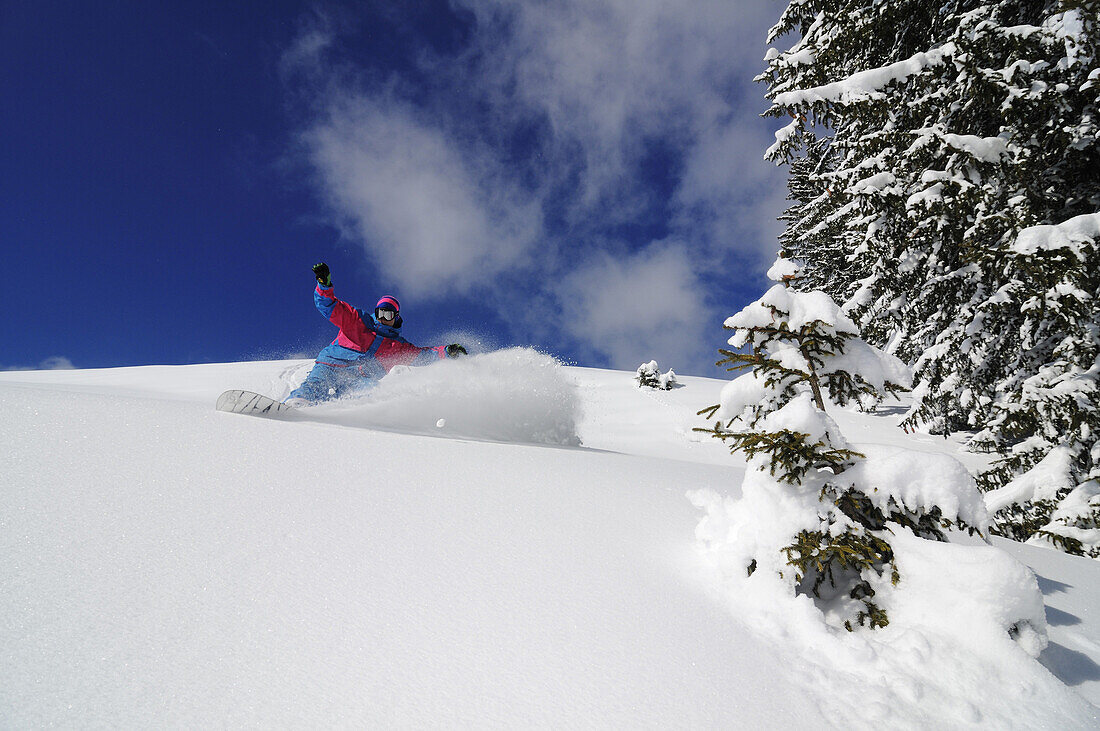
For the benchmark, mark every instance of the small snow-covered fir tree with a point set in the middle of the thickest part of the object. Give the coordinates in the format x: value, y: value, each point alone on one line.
x: 801, y: 341
x: 813, y: 510
x: 650, y: 376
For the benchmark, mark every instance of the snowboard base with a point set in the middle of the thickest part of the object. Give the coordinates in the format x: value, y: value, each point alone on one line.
x: 253, y: 404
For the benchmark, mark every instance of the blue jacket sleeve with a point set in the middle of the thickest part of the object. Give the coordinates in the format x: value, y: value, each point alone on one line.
x: 325, y: 300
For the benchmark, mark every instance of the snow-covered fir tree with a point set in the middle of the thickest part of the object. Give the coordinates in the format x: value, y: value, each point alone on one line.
x: 925, y: 140
x: 649, y: 375
x: 814, y: 511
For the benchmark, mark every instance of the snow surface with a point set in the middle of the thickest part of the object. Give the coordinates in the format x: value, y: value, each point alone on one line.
x: 874, y: 184
x: 782, y: 135
x: 986, y: 149
x: 457, y: 562
x: 874, y: 366
x: 918, y: 481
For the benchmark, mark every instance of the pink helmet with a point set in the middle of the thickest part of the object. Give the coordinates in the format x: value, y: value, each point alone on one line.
x: 389, y: 302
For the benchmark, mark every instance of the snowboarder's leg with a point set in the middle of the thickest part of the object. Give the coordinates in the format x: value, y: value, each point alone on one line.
x: 332, y: 374
x: 367, y: 373
x: 316, y: 387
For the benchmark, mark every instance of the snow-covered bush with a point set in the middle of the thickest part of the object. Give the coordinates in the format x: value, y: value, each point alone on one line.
x: 813, y: 511
x: 650, y: 376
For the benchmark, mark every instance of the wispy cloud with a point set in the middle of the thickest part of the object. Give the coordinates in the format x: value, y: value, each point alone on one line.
x: 434, y: 217
x: 564, y: 144
x: 637, y: 307
x: 728, y: 198
x: 53, y: 363
x: 616, y: 78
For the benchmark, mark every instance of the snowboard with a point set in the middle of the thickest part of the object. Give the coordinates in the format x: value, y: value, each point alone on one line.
x: 254, y: 404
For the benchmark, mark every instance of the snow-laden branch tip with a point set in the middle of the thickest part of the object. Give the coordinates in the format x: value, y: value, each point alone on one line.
x: 1072, y: 234
x: 866, y: 84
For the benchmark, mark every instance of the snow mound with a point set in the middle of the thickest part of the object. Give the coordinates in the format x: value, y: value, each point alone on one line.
x: 918, y: 481
x: 1041, y: 482
x: 966, y: 622
x: 515, y: 395
x: 1071, y: 234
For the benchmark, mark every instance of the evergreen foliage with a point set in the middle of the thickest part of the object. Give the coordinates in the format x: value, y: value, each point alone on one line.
x: 1044, y: 418
x: 926, y: 141
x: 801, y: 347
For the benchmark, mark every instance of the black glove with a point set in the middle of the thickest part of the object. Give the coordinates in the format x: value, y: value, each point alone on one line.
x: 321, y: 272
x: 454, y: 350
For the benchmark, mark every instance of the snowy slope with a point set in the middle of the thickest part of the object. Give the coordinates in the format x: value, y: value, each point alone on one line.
x: 168, y: 564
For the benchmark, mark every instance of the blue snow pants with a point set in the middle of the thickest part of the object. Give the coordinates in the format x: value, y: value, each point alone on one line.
x: 339, y: 371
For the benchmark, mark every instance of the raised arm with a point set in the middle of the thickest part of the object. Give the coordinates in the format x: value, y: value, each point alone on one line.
x: 338, y: 312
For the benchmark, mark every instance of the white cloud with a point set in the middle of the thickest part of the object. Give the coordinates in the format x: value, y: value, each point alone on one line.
x: 728, y: 195
x: 431, y: 216
x: 613, y: 77
x: 635, y: 308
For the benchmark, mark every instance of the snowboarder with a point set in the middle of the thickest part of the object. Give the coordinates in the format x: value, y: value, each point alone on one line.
x: 367, y: 347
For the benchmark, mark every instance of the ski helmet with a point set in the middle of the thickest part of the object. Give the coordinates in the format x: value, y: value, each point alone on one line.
x: 389, y: 302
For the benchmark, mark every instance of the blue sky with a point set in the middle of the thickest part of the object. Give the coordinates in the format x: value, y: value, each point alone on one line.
x: 582, y: 177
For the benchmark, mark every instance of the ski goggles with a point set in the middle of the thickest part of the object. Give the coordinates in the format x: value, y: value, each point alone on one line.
x: 385, y: 314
